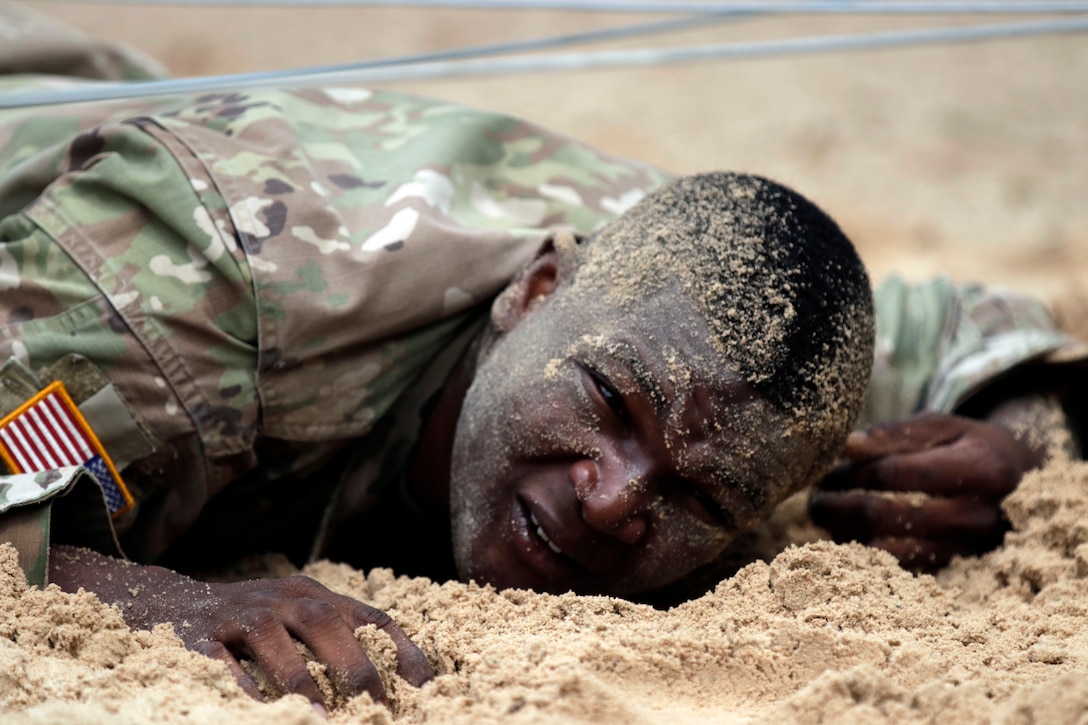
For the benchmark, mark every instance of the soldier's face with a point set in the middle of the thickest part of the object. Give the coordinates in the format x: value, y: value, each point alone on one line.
x: 608, y: 454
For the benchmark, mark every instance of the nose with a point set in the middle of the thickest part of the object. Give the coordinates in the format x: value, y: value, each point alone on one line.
x: 612, y: 503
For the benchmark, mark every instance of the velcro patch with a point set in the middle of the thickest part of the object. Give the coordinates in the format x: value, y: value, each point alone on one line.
x: 48, y: 432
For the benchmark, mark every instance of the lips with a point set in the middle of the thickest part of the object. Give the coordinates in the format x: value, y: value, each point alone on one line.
x: 539, y: 556
x: 560, y: 544
x: 550, y: 546
x: 544, y: 537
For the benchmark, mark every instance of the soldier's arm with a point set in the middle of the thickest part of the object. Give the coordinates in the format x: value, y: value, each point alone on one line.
x: 258, y: 620
x: 196, y: 401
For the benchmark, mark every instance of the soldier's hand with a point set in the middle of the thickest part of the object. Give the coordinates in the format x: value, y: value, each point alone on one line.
x: 956, y: 471
x: 261, y: 619
x: 258, y: 620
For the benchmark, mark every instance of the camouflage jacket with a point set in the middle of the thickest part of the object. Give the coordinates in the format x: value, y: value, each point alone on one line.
x: 938, y: 344
x: 232, y: 287
x: 257, y: 278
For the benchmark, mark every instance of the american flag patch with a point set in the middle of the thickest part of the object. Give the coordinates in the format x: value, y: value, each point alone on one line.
x: 48, y: 432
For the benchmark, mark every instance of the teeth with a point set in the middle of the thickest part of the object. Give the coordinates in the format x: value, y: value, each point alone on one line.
x: 542, y: 535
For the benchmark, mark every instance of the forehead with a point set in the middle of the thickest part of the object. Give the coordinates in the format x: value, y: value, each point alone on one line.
x: 662, y: 333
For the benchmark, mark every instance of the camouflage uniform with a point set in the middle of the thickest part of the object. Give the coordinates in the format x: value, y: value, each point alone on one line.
x: 938, y: 344
x: 235, y: 286
x: 253, y: 272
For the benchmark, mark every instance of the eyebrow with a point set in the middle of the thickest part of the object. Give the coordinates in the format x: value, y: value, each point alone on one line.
x: 635, y: 364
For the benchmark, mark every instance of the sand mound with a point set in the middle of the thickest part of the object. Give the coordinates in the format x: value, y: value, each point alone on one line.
x: 821, y: 633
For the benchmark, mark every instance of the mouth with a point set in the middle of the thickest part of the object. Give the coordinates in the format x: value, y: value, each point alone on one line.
x: 543, y: 536
x: 537, y: 551
x: 582, y: 557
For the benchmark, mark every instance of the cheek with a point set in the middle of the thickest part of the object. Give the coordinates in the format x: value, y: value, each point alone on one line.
x: 509, y: 415
x: 547, y: 415
x: 679, y: 545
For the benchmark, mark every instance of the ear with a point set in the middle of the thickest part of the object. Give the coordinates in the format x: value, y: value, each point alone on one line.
x: 552, y: 265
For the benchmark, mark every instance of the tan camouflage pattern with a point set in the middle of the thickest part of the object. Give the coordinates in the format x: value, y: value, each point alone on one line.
x: 270, y: 265
x: 938, y: 343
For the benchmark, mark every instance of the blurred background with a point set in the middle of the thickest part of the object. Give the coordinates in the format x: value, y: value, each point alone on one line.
x: 964, y: 159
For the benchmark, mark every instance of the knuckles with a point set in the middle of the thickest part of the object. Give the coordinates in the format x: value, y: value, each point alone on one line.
x: 303, y: 587
x: 316, y: 614
x: 370, y: 615
x: 211, y: 648
x: 255, y: 623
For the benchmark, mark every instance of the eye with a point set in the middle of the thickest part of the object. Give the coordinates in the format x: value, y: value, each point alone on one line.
x: 708, y: 509
x: 610, y: 397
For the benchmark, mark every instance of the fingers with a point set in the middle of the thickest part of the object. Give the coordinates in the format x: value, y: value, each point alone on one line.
x: 259, y: 634
x: 861, y: 517
x: 965, y: 467
x: 961, y: 468
x: 919, y: 554
x: 924, y: 537
x: 896, y: 437
x: 412, y: 664
x: 262, y: 620
x: 929, y: 555
x: 320, y: 627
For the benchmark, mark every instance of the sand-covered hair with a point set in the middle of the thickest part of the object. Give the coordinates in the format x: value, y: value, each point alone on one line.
x: 781, y: 286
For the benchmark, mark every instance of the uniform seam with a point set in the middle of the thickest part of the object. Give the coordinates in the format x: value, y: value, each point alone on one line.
x: 167, y: 360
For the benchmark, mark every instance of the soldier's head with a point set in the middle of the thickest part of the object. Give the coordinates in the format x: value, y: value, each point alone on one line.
x: 651, y: 391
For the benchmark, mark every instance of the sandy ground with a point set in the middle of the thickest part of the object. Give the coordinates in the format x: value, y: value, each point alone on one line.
x: 966, y: 160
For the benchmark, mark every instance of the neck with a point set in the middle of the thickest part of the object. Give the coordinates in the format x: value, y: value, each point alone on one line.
x: 428, y: 475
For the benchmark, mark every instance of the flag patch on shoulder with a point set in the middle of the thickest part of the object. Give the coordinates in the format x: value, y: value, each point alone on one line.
x: 48, y: 432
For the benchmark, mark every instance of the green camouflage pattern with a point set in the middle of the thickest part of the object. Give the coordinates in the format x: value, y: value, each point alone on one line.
x: 270, y: 265
x: 938, y: 343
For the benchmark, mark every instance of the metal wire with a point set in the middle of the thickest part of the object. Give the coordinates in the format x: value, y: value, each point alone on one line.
x: 385, y: 72
x: 771, y: 7
x: 558, y: 41
x: 520, y: 46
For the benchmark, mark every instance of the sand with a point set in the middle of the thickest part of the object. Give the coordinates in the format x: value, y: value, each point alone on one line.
x: 820, y: 633
x: 967, y: 160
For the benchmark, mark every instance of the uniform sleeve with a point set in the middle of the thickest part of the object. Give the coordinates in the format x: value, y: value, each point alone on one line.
x: 938, y: 344
x: 26, y: 515
x: 121, y: 259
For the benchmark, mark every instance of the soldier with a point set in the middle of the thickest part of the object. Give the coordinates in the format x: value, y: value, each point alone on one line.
x: 402, y: 332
